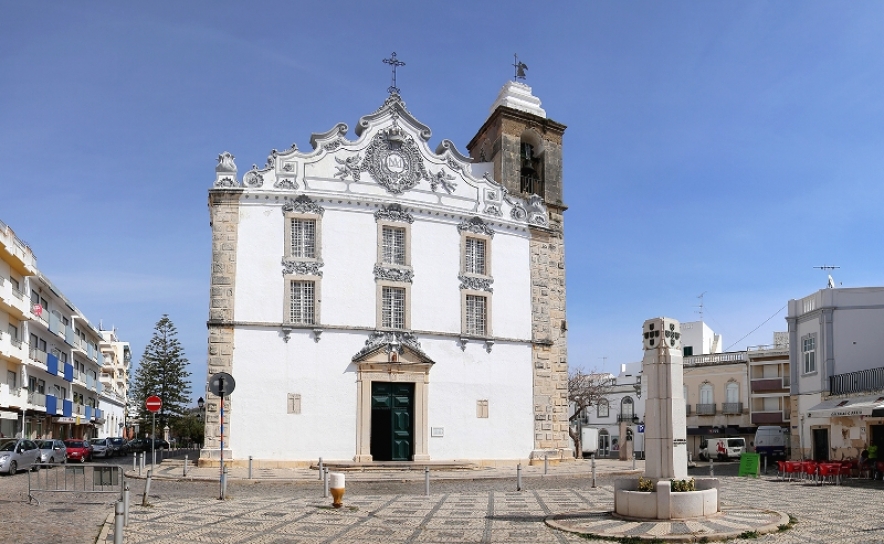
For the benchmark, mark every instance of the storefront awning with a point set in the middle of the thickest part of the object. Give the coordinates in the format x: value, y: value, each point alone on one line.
x: 8, y: 415
x: 854, y: 406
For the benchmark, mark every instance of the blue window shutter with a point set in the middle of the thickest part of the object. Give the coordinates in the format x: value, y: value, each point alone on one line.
x: 67, y: 408
x: 68, y: 372
x: 88, y: 412
x: 51, y: 408
x: 52, y: 364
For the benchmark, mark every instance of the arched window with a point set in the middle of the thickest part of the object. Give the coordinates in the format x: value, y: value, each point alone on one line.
x: 531, y: 168
x: 627, y: 409
x: 732, y: 393
x: 602, y: 408
x: 706, y: 394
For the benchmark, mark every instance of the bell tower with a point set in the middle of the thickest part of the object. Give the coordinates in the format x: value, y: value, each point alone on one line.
x: 525, y: 148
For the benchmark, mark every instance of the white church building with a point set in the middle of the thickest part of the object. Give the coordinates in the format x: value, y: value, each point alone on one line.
x: 379, y: 300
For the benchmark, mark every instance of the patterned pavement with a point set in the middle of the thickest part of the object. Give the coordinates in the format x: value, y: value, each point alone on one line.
x: 849, y: 513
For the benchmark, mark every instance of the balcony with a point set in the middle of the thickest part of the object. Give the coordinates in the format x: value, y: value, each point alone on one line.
x: 861, y: 381
x: 715, y: 358
x: 731, y: 408
x: 79, y: 410
x: 22, y: 258
x: 12, y: 300
x: 37, y: 399
x: 12, y: 348
x: 706, y: 409
x: 38, y: 356
x: 769, y: 384
x: 629, y: 418
x: 769, y: 418
x: 12, y: 397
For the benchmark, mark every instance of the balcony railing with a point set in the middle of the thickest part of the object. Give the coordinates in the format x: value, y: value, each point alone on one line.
x: 80, y: 376
x: 625, y: 417
x: 79, y: 410
x: 769, y: 384
x: 731, y: 408
x: 16, y: 342
x: 857, y: 382
x: 37, y: 355
x: 18, y: 294
x: 37, y: 399
x: 713, y: 358
x: 705, y: 409
x: 532, y: 186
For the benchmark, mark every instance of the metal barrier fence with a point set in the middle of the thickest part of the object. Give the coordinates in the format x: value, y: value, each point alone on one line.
x: 81, y: 478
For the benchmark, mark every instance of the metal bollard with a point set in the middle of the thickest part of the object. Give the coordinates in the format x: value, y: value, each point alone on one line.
x: 140, y: 464
x: 711, y: 467
x: 519, y: 477
x: 320, y: 468
x: 250, y: 467
x: 224, y: 483
x: 545, y: 463
x: 593, y: 471
x: 185, y: 465
x: 633, y: 461
x: 118, y: 522
x: 146, y: 488
x: 427, y: 481
x: 135, y: 462
x: 765, y: 464
x: 126, y: 505
x: 325, y: 483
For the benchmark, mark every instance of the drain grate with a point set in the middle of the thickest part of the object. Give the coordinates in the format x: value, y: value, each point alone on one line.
x: 62, y: 510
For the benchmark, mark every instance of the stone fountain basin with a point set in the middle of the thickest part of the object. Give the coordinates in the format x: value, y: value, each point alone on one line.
x: 664, y: 504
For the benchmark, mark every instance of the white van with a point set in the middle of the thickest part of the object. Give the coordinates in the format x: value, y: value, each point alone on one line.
x: 722, y: 448
x: 772, y: 441
x: 589, y: 441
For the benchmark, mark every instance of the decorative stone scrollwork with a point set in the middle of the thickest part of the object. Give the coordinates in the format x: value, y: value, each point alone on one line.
x: 225, y: 163
x: 394, y: 161
x: 393, y: 212
x: 392, y: 341
x: 388, y: 273
x: 295, y: 267
x: 253, y: 178
x: 302, y: 204
x: 476, y: 226
x: 443, y: 179
x: 493, y: 209
x: 331, y: 146
x: 536, y: 211
x: 271, y: 160
x: 226, y: 182
x: 349, y: 168
x: 286, y: 183
x: 476, y: 284
x: 518, y: 213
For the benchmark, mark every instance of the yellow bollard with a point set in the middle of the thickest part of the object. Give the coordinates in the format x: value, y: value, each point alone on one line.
x: 336, y: 486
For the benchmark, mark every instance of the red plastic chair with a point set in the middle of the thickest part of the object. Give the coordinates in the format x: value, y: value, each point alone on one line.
x: 810, y: 469
x: 849, y: 467
x: 830, y: 472
x: 793, y: 467
x: 781, y: 470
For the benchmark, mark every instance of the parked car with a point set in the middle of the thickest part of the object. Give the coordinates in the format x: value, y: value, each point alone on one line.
x: 120, y: 446
x: 102, y: 447
x: 17, y: 454
x: 144, y: 444
x: 79, y: 450
x: 52, y: 451
x: 722, y: 448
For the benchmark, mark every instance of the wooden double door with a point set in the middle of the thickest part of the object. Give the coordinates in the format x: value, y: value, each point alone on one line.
x: 392, y: 421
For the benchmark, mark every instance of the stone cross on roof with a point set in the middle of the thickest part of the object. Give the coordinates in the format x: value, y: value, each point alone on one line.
x: 394, y: 63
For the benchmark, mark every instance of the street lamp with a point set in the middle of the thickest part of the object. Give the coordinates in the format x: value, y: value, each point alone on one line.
x: 638, y: 386
x: 200, y: 403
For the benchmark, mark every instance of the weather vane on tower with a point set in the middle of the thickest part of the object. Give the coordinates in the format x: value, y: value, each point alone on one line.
x: 520, y: 69
x: 394, y: 63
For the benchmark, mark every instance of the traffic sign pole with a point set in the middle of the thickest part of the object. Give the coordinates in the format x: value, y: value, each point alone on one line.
x: 153, y: 405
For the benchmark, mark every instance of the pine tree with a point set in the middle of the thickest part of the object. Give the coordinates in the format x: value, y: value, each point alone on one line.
x: 162, y: 372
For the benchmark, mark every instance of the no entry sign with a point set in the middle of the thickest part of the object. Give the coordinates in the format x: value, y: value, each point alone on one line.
x: 153, y: 403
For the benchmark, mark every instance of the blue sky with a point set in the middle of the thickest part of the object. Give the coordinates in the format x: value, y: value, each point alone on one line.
x: 723, y: 148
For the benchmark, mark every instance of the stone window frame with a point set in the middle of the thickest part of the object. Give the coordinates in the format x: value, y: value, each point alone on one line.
x: 488, y: 254
x: 731, y: 385
x: 707, y: 386
x: 317, y: 250
x: 402, y: 225
x: 463, y: 313
x: 808, y: 355
x: 379, y: 306
x: 287, y: 299
x: 627, y: 401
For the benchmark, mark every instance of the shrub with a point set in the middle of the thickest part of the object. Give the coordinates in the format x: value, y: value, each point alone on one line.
x: 646, y: 484
x: 682, y: 485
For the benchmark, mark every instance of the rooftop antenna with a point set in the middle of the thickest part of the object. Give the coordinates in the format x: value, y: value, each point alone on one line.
x: 700, y: 311
x: 394, y: 63
x: 831, y: 283
x: 520, y: 69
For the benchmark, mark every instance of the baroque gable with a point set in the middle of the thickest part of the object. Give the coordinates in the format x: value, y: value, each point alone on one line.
x: 389, y: 161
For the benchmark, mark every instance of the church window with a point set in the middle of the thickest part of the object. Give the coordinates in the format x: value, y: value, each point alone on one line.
x: 393, y: 307
x: 476, y: 315
x: 393, y: 245
x: 627, y: 409
x: 302, y: 302
x: 474, y: 256
x: 303, y: 238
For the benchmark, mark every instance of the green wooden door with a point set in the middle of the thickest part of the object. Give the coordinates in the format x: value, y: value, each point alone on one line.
x: 392, y: 421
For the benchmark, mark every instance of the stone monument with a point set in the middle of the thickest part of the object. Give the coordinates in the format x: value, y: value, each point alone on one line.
x: 666, y: 455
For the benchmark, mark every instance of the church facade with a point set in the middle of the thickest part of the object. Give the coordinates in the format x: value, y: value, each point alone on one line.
x: 379, y: 300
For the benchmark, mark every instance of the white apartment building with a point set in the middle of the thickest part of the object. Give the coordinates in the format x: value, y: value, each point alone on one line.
x: 837, y: 372
x: 49, y: 355
x: 114, y: 379
x: 376, y: 299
